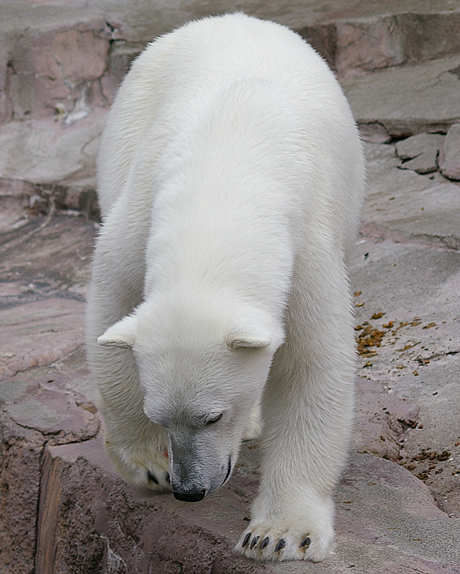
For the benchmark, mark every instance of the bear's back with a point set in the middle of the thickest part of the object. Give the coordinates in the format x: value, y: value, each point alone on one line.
x: 194, y: 60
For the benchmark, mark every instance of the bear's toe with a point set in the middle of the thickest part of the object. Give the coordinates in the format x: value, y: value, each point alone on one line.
x: 265, y: 542
x: 158, y: 479
x: 152, y: 478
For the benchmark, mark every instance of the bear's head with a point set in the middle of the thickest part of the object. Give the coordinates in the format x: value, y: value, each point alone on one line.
x: 202, y: 372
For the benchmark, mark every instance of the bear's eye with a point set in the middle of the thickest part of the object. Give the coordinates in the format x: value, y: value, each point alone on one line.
x: 214, y: 419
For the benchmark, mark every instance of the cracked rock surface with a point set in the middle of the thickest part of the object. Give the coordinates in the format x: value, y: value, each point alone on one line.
x: 407, y: 100
x: 62, y: 508
x: 449, y: 161
x: 406, y: 276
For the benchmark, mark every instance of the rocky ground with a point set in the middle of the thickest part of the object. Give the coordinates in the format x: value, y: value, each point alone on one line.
x: 62, y: 509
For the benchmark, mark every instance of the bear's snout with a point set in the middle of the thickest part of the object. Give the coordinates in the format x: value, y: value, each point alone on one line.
x: 192, y: 479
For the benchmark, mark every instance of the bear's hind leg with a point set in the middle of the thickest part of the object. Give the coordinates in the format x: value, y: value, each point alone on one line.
x: 254, y: 424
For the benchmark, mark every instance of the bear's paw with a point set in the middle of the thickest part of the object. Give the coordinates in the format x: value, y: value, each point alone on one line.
x: 283, y: 539
x: 147, y: 468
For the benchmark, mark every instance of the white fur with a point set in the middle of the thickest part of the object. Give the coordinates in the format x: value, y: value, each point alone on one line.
x: 230, y: 182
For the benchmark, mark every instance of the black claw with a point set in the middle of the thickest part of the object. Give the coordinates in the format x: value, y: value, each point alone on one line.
x: 254, y: 541
x: 168, y: 478
x: 281, y: 544
x: 246, y: 539
x: 152, y: 477
x: 305, y: 542
x: 265, y: 542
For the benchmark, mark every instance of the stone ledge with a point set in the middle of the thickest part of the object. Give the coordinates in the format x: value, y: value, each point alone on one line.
x: 408, y: 100
x: 89, y: 521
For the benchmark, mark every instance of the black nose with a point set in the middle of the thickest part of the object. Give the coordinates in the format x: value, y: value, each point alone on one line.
x: 189, y: 496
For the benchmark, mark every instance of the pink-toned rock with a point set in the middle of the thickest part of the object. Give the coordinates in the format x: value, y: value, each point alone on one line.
x: 368, y: 45
x: 6, y: 105
x: 54, y: 412
x: 20, y: 453
x: 81, y: 54
x: 39, y: 333
x: 374, y: 132
x: 56, y: 68
x: 90, y: 521
x: 449, y: 158
x: 381, y: 420
x: 420, y: 152
x: 43, y: 151
x: 33, y: 415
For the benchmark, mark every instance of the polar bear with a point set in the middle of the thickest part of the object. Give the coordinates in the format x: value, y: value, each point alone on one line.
x: 230, y: 183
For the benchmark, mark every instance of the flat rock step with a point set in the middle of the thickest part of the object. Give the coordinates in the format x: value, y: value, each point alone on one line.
x: 67, y: 58
x: 407, y: 100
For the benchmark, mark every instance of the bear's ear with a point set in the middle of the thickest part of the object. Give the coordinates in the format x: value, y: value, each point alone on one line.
x: 122, y: 334
x: 249, y: 338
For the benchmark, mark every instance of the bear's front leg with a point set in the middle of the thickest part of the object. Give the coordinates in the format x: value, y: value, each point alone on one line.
x: 298, y: 526
x: 307, y: 413
x: 137, y: 446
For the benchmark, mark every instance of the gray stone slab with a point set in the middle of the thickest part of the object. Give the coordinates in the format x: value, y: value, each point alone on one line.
x: 381, y: 420
x: 384, y: 178
x: 69, y: 375
x: 422, y: 151
x: 39, y: 333
x: 43, y: 151
x: 431, y: 215
x: 409, y: 296
x: 12, y: 391
x: 449, y: 160
x: 409, y: 290
x: 408, y: 100
x: 53, y: 412
x: 424, y: 163
x: 416, y: 288
x: 414, y: 146
x: 408, y: 206
x: 374, y: 133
